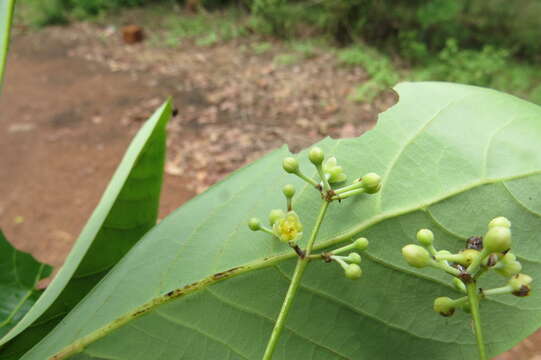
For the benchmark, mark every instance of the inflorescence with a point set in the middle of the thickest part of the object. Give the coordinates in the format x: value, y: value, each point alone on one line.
x: 481, y: 254
x: 286, y: 226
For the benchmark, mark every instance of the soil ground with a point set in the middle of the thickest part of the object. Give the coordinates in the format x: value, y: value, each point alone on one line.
x: 75, y: 96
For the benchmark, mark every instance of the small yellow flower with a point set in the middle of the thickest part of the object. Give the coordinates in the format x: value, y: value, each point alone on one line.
x: 288, y: 228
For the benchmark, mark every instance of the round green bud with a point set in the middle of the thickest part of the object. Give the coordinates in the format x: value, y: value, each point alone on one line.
x: 254, y: 224
x: 361, y: 243
x: 425, y: 237
x: 288, y: 190
x: 510, y: 269
x: 316, y: 155
x: 443, y: 253
x: 416, y: 255
x: 276, y: 215
x: 353, y: 271
x: 290, y: 165
x: 497, y: 239
x: 466, y: 307
x: 444, y: 306
x: 499, y: 221
x: 336, y: 174
x: 371, y: 183
x: 354, y: 258
x: 509, y: 258
x: 520, y: 284
x: 469, y: 256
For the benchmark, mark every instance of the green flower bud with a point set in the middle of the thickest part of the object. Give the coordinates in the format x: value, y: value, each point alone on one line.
x: 466, y: 307
x: 509, y: 258
x: 288, y: 190
x: 425, y: 237
x: 361, y: 243
x: 254, y: 224
x: 499, y: 221
x: 316, y: 155
x: 353, y: 258
x: 276, y: 215
x: 371, y: 183
x: 290, y: 165
x: 353, y: 271
x: 459, y: 285
x: 416, y: 255
x: 497, y: 239
x: 510, y: 269
x: 469, y: 256
x: 444, y: 306
x: 289, y: 228
x: 443, y: 253
x: 335, y: 173
x: 520, y: 284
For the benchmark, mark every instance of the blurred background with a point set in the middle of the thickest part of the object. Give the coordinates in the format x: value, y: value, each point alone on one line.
x: 246, y: 76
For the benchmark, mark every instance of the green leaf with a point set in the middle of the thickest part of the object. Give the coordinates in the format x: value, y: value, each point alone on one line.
x: 127, y: 210
x: 6, y: 16
x: 19, y: 274
x: 200, y: 285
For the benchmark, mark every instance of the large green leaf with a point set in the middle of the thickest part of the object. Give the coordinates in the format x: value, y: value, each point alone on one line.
x: 200, y: 285
x: 127, y: 210
x: 19, y: 274
x: 6, y: 15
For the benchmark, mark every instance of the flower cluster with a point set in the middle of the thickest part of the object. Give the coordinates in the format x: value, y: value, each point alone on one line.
x: 350, y: 263
x: 481, y: 254
x: 286, y: 226
x: 330, y: 173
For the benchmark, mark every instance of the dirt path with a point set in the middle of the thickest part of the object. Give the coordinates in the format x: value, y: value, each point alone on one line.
x: 61, y: 139
x: 74, y: 97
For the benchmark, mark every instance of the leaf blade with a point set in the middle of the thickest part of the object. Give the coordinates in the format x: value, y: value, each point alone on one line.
x: 6, y: 16
x: 409, y: 149
x: 20, y: 275
x: 127, y: 210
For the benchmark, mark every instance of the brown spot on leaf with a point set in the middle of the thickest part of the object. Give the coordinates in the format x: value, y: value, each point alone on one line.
x: 226, y: 273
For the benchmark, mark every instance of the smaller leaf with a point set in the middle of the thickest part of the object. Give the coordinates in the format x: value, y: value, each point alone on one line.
x: 6, y: 16
x: 19, y: 274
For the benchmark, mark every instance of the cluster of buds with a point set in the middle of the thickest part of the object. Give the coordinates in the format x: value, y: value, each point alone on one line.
x: 287, y: 227
x: 350, y: 263
x: 481, y: 254
x: 330, y: 174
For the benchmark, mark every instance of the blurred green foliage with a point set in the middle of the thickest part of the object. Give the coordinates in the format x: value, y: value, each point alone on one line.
x: 491, y: 43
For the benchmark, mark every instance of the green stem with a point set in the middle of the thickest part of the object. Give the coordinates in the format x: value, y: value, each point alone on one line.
x: 347, y: 194
x: 293, y: 286
x: 326, y: 185
x: 443, y: 266
x: 473, y: 297
x: 353, y: 186
x: 307, y: 179
x: 474, y: 266
x: 498, y: 291
x: 267, y: 230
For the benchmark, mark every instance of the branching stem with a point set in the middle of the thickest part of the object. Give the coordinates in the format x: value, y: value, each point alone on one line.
x: 293, y: 286
x: 473, y: 297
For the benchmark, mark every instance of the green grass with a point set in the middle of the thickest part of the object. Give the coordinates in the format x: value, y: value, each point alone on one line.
x: 205, y: 29
x: 260, y: 48
x: 286, y: 59
x: 379, y: 67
